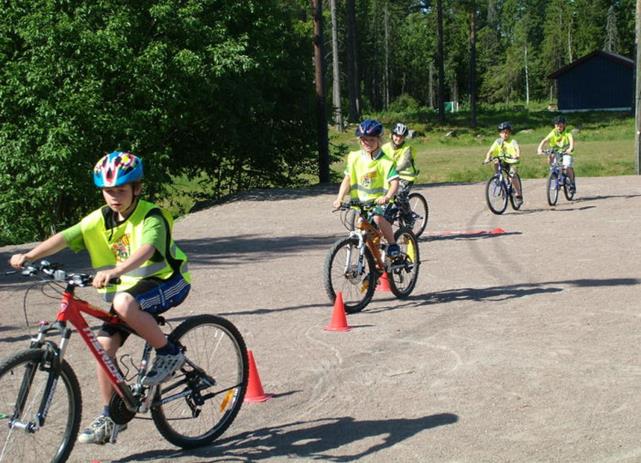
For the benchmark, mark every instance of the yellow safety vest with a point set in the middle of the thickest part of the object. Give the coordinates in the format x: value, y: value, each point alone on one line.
x: 109, y: 247
x: 559, y: 140
x: 411, y: 172
x: 504, y: 149
x: 368, y: 177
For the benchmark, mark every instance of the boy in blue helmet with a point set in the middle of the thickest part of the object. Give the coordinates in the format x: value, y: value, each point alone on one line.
x: 127, y: 239
x: 371, y: 177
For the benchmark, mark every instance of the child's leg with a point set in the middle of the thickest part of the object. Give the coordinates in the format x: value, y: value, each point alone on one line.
x: 144, y: 324
x: 386, y: 229
x: 516, y: 182
x: 110, y: 344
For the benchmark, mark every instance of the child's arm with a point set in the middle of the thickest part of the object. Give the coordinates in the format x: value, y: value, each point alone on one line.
x: 342, y: 191
x: 393, y: 188
x: 539, y: 150
x: 571, y: 147
x: 134, y: 261
x: 50, y: 246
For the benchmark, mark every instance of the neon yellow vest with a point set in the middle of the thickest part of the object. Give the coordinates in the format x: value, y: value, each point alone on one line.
x: 505, y: 150
x: 109, y: 247
x: 411, y: 172
x: 368, y: 177
x: 559, y: 140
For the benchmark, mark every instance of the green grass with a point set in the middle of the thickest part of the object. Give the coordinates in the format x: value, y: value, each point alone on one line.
x: 454, y: 152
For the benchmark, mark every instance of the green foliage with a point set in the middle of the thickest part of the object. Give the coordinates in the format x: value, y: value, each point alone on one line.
x: 213, y: 88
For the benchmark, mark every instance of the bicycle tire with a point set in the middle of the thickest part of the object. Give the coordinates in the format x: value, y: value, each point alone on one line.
x: 569, y: 195
x: 216, y: 346
x: 23, y: 378
x: 552, y: 189
x: 339, y: 275
x: 420, y: 213
x: 496, y: 195
x: 410, y: 263
x: 516, y: 206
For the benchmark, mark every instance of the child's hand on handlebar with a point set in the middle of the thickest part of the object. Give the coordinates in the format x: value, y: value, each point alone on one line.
x: 18, y: 261
x: 103, y: 277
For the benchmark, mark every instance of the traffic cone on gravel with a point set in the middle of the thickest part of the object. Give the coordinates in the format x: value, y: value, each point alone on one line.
x: 383, y: 283
x: 339, y: 319
x: 254, y: 391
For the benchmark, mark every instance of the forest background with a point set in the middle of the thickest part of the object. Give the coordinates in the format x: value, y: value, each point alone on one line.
x: 218, y: 96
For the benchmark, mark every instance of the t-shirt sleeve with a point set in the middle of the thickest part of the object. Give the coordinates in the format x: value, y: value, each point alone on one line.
x: 73, y: 238
x: 154, y: 233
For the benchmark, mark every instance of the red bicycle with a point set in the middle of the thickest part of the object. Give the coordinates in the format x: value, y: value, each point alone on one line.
x: 40, y: 398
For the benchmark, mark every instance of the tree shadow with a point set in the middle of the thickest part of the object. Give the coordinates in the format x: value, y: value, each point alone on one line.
x: 600, y: 197
x: 503, y: 293
x: 313, y: 440
x: 485, y: 234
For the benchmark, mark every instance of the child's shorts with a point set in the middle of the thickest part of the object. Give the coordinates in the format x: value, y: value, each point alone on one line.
x: 568, y: 161
x: 155, y: 296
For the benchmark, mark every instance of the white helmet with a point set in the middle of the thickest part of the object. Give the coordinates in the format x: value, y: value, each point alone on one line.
x: 400, y: 129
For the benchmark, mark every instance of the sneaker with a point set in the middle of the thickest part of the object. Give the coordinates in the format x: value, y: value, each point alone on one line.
x: 393, y: 250
x: 163, y: 367
x: 99, y: 431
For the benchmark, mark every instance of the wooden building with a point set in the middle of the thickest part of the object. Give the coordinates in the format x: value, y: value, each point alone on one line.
x: 597, y: 81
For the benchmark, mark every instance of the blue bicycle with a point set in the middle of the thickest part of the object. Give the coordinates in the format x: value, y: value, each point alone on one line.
x: 499, y: 189
x: 558, y: 179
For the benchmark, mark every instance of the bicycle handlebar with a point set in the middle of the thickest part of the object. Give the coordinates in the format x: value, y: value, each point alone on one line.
x: 56, y: 273
x: 349, y: 204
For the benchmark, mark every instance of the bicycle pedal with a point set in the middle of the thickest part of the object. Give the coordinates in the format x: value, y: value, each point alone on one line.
x: 114, y: 433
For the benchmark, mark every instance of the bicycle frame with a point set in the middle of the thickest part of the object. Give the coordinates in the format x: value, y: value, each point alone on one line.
x: 70, y: 311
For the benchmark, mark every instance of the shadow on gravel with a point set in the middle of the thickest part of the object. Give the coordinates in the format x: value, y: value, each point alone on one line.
x: 468, y: 236
x: 248, y: 248
x: 599, y: 197
x: 504, y: 293
x: 312, y: 440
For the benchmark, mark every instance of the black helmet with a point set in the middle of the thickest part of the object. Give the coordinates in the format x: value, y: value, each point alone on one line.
x: 559, y: 120
x: 400, y: 129
x: 505, y: 126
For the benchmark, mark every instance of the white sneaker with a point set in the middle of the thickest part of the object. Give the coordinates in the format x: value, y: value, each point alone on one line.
x: 99, y: 431
x: 163, y: 367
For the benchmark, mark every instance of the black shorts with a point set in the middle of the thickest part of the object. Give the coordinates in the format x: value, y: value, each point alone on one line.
x: 155, y: 296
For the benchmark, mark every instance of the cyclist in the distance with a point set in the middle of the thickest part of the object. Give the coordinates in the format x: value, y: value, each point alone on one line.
x: 561, y: 140
x: 507, y: 149
x: 404, y: 156
x: 127, y: 239
x: 371, y: 177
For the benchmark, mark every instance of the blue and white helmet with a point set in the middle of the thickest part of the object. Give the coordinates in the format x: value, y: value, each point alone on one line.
x: 369, y: 128
x: 116, y: 169
x: 400, y: 129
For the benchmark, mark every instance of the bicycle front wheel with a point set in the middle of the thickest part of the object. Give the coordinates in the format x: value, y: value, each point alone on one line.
x: 202, y: 400
x: 553, y: 189
x: 24, y: 380
x: 419, y: 211
x: 496, y: 195
x: 403, y: 273
x: 351, y: 274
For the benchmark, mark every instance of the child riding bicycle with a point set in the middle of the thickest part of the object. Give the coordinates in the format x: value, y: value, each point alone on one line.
x: 561, y: 140
x: 371, y: 177
x: 130, y: 241
x: 508, y: 150
x: 405, y: 159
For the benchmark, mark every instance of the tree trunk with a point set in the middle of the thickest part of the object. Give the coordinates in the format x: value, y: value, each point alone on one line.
x: 440, y: 58
x: 386, y: 74
x: 353, y: 86
x: 430, y: 90
x: 336, y: 75
x: 321, y: 115
x: 527, y: 80
x: 472, y: 88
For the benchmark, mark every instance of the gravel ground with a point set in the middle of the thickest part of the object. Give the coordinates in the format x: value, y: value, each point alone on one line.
x: 513, y: 347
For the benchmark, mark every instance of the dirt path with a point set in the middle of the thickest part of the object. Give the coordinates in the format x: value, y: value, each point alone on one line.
x: 514, y: 347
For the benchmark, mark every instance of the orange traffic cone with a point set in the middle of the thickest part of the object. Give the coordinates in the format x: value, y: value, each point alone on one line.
x: 383, y: 283
x: 339, y: 319
x: 254, y: 391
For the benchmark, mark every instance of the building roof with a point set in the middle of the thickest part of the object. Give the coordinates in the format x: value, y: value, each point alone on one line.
x: 620, y: 59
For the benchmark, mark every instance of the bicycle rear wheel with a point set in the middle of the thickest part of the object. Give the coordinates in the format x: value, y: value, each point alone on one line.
x: 346, y: 272
x: 553, y: 189
x: 403, y: 273
x: 420, y: 212
x: 23, y: 382
x: 202, y: 400
x: 496, y: 195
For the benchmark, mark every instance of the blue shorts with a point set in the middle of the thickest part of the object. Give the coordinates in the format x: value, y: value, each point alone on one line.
x: 155, y: 296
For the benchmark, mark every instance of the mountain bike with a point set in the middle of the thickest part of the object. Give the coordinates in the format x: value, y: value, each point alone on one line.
x: 412, y: 211
x: 40, y: 397
x: 354, y: 264
x: 500, y: 189
x: 558, y: 178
